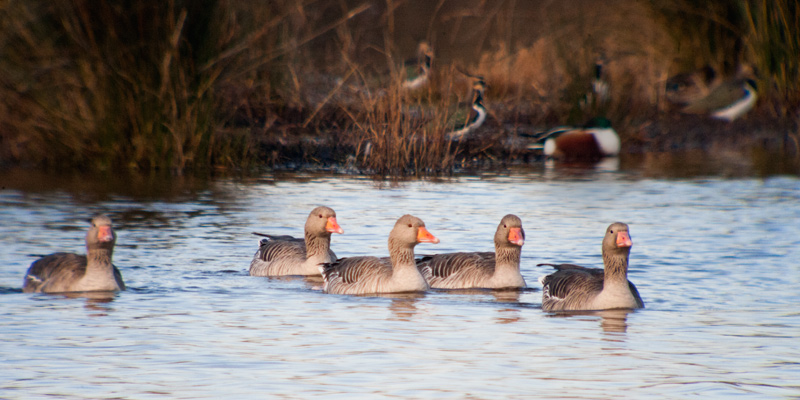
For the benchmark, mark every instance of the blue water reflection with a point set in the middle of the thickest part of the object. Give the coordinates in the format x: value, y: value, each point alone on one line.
x: 716, y: 261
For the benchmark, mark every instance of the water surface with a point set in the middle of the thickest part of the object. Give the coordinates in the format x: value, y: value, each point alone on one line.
x: 715, y: 260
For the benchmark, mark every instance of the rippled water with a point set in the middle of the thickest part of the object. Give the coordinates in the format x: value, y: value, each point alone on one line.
x: 715, y: 260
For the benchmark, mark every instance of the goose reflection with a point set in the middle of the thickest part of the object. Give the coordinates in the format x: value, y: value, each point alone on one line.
x: 611, y: 321
x: 98, y: 302
x: 404, y: 305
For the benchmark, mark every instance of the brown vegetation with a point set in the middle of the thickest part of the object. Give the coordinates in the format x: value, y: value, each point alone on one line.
x: 182, y: 85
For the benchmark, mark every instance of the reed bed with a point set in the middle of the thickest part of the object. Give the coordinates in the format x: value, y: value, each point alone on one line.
x: 180, y: 85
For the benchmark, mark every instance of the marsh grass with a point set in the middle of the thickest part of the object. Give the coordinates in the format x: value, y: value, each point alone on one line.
x: 401, y: 133
x: 772, y: 41
x: 181, y: 85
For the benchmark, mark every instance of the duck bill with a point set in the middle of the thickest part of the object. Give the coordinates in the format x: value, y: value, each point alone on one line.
x: 423, y: 236
x: 515, y: 236
x: 332, y: 226
x: 104, y: 234
x: 624, y: 240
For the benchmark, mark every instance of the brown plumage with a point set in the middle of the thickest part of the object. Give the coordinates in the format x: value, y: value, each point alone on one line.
x: 573, y: 287
x: 286, y: 255
x: 67, y: 272
x: 393, y: 274
x: 496, y: 270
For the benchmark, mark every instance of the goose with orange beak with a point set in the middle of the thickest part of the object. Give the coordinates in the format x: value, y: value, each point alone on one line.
x: 372, y: 275
x: 287, y: 255
x: 492, y: 270
x: 573, y: 287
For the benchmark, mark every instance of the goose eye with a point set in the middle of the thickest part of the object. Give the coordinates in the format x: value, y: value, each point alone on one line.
x: 320, y: 215
x: 409, y: 225
x: 504, y: 226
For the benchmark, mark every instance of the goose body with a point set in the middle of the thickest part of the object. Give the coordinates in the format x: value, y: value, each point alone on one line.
x: 371, y: 275
x: 286, y: 255
x: 575, y: 288
x: 493, y: 270
x: 477, y: 115
x: 67, y: 272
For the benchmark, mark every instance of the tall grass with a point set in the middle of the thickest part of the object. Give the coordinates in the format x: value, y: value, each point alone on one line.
x: 177, y: 85
x: 148, y: 85
x: 729, y: 35
x: 400, y: 133
x: 772, y: 42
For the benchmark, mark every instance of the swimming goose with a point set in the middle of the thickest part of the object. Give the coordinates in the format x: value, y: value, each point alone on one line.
x: 393, y: 274
x: 593, y: 141
x: 497, y: 270
x: 68, y: 272
x: 286, y: 255
x: 420, y: 77
x: 573, y: 288
x: 477, y: 113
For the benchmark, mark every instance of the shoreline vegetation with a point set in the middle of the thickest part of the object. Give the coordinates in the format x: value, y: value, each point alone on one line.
x: 181, y: 86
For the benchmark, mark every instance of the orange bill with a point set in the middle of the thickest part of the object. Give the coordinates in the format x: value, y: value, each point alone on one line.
x: 423, y: 236
x: 104, y: 234
x: 516, y: 236
x: 332, y: 226
x: 623, y: 240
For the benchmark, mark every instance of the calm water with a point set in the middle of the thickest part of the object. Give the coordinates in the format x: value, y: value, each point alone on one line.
x: 717, y: 262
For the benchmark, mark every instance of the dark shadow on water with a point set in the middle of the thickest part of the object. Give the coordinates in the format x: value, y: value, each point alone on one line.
x: 10, y: 290
x: 98, y: 303
x: 511, y: 296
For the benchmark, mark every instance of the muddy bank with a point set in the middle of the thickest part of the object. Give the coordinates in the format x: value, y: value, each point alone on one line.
x: 760, y: 143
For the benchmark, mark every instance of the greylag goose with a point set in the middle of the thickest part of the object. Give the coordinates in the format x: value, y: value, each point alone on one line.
x: 577, y: 288
x: 286, y: 255
x: 68, y: 272
x: 496, y: 270
x: 371, y: 275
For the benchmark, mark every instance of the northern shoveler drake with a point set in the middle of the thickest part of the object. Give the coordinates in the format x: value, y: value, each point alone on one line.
x: 419, y: 76
x: 593, y: 141
x: 477, y: 114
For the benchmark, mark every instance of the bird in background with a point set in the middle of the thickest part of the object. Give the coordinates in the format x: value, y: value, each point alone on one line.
x: 419, y: 75
x: 477, y: 113
x: 703, y: 92
x: 591, y: 142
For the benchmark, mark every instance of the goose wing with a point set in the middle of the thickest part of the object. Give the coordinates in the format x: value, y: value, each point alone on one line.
x: 61, y: 267
x: 442, y: 266
x: 273, y: 247
x: 571, y: 280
